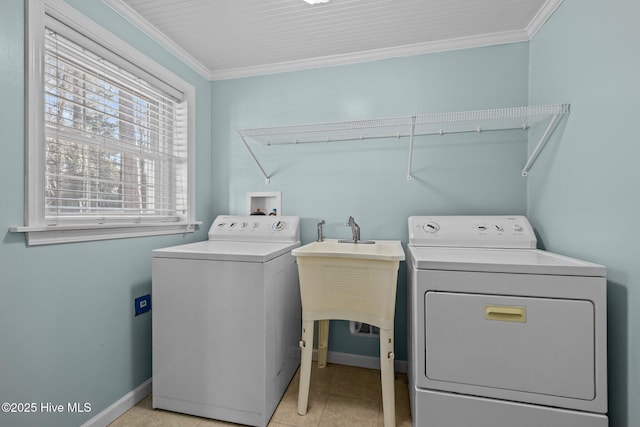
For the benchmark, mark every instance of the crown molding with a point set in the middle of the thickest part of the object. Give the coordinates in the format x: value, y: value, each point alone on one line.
x: 541, y: 17
x: 128, y: 13
x: 459, y: 43
x: 375, y: 54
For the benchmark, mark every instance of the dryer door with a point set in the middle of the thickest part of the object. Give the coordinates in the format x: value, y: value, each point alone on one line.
x: 532, y: 345
x: 530, y: 338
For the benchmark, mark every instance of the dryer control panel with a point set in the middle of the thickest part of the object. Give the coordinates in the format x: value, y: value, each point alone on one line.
x: 255, y: 228
x: 472, y: 231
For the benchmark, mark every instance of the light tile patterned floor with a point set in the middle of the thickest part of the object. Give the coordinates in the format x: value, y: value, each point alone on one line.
x: 339, y: 396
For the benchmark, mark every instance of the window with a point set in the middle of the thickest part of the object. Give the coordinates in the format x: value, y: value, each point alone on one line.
x: 115, y: 146
x: 109, y: 144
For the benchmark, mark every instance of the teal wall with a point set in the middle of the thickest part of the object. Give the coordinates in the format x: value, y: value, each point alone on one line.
x: 583, y: 193
x: 469, y: 174
x: 67, y: 330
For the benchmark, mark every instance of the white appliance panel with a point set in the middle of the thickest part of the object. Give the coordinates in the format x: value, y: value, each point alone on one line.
x: 517, y: 286
x: 255, y: 228
x: 198, y: 347
x: 437, y: 409
x: 226, y: 343
x: 216, y: 250
x: 524, y: 261
x: 532, y: 345
x: 471, y: 232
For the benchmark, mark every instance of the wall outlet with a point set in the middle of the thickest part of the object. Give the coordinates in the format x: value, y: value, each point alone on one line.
x: 142, y: 304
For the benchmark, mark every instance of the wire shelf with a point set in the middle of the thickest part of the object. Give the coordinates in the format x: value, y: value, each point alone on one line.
x: 410, y: 127
x: 399, y: 127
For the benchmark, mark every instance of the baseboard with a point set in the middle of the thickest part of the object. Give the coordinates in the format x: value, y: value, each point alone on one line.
x: 360, y: 361
x: 119, y: 407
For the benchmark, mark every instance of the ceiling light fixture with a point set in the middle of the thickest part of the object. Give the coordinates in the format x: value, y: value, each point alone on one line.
x: 316, y: 1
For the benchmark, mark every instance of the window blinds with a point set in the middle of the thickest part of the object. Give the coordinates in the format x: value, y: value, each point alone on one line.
x: 115, y: 144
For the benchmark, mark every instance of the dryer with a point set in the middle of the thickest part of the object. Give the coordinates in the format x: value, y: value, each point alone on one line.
x: 227, y: 320
x: 502, y: 334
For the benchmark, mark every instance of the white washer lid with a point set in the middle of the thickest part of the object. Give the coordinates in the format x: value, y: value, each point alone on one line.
x: 525, y: 261
x: 213, y: 250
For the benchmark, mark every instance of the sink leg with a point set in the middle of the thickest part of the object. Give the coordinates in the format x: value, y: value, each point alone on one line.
x: 305, y: 366
x: 387, y: 376
x: 323, y: 340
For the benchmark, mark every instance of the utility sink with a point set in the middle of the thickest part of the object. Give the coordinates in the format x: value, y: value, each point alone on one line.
x: 349, y: 281
x: 380, y: 250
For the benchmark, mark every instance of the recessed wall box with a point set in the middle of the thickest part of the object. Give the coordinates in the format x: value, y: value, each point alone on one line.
x: 264, y: 202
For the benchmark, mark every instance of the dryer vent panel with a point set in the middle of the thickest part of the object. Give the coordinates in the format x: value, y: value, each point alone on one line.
x: 363, y: 329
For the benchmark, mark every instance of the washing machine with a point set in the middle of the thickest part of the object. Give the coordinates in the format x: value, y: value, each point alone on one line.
x: 502, y: 334
x: 227, y: 320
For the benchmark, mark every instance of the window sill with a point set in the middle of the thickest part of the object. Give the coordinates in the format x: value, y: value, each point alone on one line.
x: 49, y: 235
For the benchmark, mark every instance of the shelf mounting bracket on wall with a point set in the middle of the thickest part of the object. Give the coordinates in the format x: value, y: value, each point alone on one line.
x: 413, y: 132
x: 516, y: 118
x: 551, y: 127
x: 267, y: 178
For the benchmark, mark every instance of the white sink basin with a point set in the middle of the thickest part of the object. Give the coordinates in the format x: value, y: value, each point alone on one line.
x: 349, y: 281
x: 381, y: 250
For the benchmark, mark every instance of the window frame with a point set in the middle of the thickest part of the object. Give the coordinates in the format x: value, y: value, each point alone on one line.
x: 36, y: 228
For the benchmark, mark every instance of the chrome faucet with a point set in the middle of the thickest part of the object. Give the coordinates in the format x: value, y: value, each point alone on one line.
x: 355, y: 229
x: 320, y: 236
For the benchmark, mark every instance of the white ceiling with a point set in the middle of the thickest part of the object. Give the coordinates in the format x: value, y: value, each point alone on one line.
x: 234, y: 38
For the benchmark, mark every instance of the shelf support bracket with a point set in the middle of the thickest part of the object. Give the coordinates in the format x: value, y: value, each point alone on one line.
x: 413, y: 131
x: 267, y: 178
x: 553, y: 123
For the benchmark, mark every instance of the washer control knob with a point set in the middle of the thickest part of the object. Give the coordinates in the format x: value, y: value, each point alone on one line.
x: 431, y: 227
x: 517, y: 227
x: 278, y: 225
x: 498, y: 227
x: 481, y: 227
x: 243, y: 225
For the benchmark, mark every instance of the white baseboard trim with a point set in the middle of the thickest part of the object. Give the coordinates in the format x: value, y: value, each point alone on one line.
x: 119, y: 407
x: 360, y: 361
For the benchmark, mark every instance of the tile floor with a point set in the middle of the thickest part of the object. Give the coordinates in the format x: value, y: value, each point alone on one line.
x: 339, y: 396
